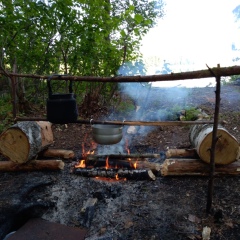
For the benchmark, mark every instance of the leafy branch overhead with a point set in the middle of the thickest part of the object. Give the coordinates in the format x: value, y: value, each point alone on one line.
x: 74, y: 37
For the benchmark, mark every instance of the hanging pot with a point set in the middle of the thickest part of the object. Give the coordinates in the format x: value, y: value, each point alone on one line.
x: 107, y: 134
x: 61, y: 107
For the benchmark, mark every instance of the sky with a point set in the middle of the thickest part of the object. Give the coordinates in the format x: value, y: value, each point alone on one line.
x: 194, y: 33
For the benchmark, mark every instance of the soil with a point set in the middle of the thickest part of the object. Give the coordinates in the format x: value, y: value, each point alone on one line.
x: 167, y: 208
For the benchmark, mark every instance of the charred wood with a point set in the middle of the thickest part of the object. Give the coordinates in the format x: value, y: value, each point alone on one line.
x: 138, y: 174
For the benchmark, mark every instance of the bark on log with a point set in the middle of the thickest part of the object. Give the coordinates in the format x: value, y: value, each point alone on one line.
x: 227, y: 146
x: 24, y: 140
x: 127, y: 164
x: 62, y: 153
x: 181, y: 153
x: 141, y: 174
x: 196, y: 167
x: 34, y: 165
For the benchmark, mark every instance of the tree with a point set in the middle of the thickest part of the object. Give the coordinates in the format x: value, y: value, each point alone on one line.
x: 76, y: 37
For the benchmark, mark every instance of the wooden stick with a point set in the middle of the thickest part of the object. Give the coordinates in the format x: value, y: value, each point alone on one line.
x: 62, y: 153
x: 223, y: 71
x: 196, y: 167
x: 130, y: 123
x: 141, y: 174
x: 34, y: 165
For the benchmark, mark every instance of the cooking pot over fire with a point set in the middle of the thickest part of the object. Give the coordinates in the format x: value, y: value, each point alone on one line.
x: 107, y: 134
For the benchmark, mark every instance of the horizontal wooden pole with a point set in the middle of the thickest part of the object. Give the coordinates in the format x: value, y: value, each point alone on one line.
x: 222, y: 72
x: 131, y: 123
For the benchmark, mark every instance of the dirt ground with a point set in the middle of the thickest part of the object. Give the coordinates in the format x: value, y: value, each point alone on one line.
x: 167, y: 208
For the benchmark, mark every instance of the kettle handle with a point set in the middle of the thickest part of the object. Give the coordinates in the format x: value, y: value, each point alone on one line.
x: 70, y: 89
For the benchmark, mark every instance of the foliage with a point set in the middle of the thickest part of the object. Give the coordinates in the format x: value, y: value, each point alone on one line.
x: 6, y: 118
x: 86, y: 38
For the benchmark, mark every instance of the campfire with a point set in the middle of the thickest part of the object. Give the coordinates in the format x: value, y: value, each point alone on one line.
x: 120, y: 166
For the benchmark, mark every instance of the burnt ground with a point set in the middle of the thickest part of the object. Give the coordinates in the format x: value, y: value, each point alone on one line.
x: 167, y: 208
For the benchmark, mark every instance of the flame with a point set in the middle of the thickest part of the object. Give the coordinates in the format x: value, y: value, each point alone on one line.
x: 107, y: 164
x: 127, y: 146
x: 116, y: 176
x: 135, y: 165
x: 81, y: 164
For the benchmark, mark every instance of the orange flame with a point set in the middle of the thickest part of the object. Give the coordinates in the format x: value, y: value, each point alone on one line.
x: 81, y: 164
x: 107, y: 164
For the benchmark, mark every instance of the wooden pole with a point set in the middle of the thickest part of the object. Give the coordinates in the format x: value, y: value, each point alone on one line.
x: 226, y: 71
x: 214, y: 141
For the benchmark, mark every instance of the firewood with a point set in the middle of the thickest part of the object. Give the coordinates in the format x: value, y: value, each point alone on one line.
x: 196, y: 167
x: 62, y: 153
x: 138, y: 174
x: 227, y: 146
x: 124, y: 156
x: 33, y: 165
x: 123, y: 163
x: 181, y: 153
x: 24, y: 140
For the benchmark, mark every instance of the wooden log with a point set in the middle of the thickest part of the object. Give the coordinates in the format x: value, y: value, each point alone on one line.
x: 196, y: 167
x: 227, y: 146
x: 34, y: 165
x: 124, y: 156
x: 62, y: 153
x: 181, y: 153
x: 127, y: 164
x: 138, y: 174
x: 24, y: 140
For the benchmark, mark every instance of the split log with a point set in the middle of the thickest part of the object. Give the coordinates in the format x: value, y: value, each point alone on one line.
x: 138, y: 174
x: 181, y: 153
x: 24, y: 140
x: 196, y: 167
x: 227, y: 146
x: 34, y: 165
x: 62, y: 153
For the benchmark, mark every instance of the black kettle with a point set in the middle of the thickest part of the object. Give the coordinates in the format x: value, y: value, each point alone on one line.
x: 61, y: 107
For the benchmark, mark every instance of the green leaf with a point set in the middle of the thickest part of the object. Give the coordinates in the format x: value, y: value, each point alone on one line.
x: 138, y: 18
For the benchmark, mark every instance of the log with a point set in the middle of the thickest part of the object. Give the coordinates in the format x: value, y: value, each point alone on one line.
x: 34, y: 165
x: 138, y: 174
x: 196, y: 167
x: 61, y: 153
x: 181, y: 153
x: 127, y: 164
x: 24, y: 140
x: 227, y: 146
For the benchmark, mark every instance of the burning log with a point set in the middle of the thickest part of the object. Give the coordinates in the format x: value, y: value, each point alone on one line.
x: 196, y: 167
x: 124, y: 156
x: 227, y: 146
x: 137, y: 174
x: 24, y: 140
x: 122, y: 163
x: 34, y: 165
x: 62, y: 153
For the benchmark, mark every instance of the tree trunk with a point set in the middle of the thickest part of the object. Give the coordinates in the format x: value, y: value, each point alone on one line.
x: 24, y: 140
x: 227, y: 146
